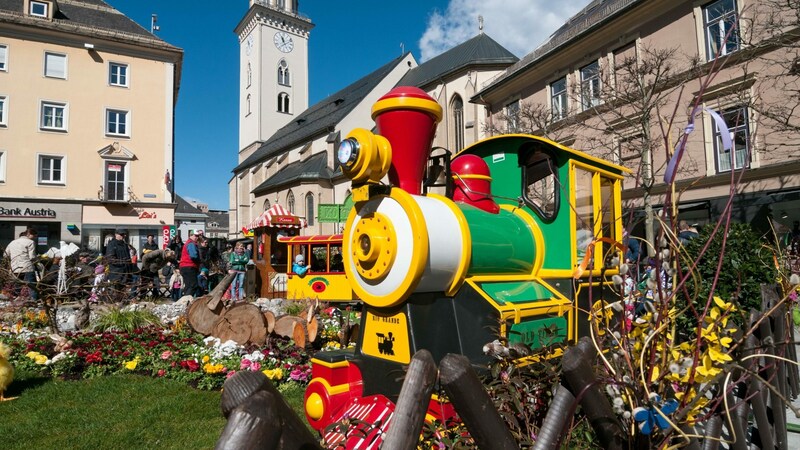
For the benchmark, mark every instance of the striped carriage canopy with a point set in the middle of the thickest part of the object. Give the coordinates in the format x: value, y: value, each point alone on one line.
x: 277, y: 217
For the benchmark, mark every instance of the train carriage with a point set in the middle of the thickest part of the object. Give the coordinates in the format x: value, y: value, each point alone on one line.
x: 510, y: 254
x: 325, y: 279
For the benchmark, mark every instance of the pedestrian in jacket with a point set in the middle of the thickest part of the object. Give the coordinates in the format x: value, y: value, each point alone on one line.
x: 189, y: 265
x: 22, y: 254
x: 118, y: 261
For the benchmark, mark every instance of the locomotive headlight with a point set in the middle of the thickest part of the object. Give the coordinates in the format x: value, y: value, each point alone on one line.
x: 374, y: 246
x: 348, y: 152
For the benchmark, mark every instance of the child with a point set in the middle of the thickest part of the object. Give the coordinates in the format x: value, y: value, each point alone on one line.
x: 97, y: 285
x: 202, y: 281
x: 176, y: 283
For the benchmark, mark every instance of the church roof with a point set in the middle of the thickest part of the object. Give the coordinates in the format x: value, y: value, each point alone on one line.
x: 320, y: 118
x: 87, y: 18
x: 312, y: 169
x: 481, y: 50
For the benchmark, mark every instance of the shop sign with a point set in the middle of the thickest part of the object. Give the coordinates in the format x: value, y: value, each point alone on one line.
x: 43, y: 213
x: 285, y: 220
x: 148, y: 215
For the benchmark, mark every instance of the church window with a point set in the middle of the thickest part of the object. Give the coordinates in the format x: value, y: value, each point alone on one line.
x: 249, y: 75
x: 283, y: 74
x: 290, y: 202
x: 283, y: 102
x: 457, y: 107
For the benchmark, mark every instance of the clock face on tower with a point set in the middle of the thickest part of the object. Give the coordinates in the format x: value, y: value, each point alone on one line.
x: 248, y: 45
x: 283, y: 41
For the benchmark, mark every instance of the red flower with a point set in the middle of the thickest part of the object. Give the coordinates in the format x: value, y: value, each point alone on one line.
x: 161, y: 372
x: 95, y: 357
x: 190, y: 365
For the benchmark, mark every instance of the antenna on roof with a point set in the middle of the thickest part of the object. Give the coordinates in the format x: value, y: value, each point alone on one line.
x: 153, y: 23
x: 480, y: 24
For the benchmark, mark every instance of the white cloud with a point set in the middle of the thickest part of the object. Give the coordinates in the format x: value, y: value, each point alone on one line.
x: 518, y: 25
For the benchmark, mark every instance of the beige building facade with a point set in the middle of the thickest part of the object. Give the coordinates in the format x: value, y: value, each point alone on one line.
x: 87, y: 101
x: 628, y: 79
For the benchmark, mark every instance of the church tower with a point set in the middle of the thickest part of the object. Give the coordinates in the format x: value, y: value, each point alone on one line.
x: 273, y: 70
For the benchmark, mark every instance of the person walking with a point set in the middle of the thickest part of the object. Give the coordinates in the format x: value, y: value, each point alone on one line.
x: 118, y: 260
x: 238, y: 264
x: 189, y: 265
x: 22, y: 254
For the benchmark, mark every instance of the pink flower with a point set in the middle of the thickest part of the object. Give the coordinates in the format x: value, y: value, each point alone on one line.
x: 255, y: 366
x: 245, y: 364
x: 161, y: 372
x: 166, y: 355
x: 230, y: 374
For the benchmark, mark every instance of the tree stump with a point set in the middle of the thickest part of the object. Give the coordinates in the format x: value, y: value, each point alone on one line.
x: 201, y: 318
x: 269, y: 319
x: 243, y: 323
x: 284, y: 325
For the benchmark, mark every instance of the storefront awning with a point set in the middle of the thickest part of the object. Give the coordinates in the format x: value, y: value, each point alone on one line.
x: 277, y: 217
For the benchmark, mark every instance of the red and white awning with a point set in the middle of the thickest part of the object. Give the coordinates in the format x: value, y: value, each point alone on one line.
x: 277, y: 217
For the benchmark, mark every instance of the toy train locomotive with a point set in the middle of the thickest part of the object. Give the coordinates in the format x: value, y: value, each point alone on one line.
x: 503, y: 254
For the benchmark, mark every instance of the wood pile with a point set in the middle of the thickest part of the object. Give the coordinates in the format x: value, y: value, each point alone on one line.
x: 245, y: 323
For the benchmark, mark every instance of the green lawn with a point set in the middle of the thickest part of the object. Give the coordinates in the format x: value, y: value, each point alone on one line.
x: 125, y: 412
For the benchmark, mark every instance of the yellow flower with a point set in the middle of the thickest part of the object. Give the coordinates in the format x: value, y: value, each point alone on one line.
x: 213, y: 368
x: 206, y: 358
x: 131, y: 365
x: 37, y: 357
x: 724, y: 305
x: 273, y: 374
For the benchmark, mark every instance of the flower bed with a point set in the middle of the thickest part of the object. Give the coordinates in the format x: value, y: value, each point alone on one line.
x: 176, y: 353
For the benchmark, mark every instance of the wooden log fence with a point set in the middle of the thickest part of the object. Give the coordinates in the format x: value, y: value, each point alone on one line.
x: 259, y: 417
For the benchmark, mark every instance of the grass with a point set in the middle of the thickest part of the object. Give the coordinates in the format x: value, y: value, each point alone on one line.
x: 125, y: 412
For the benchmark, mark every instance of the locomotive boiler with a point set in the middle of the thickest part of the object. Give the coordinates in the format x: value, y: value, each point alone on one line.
x: 510, y: 252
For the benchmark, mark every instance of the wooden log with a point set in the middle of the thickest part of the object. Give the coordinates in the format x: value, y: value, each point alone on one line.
x: 215, y: 296
x: 763, y: 428
x: 580, y: 380
x: 741, y: 413
x: 300, y: 334
x: 794, y: 376
x: 243, y: 323
x: 253, y: 424
x: 202, y: 319
x: 473, y: 404
x: 269, y: 319
x: 237, y: 388
x: 409, y: 414
x: 562, y: 409
x: 312, y: 328
x: 296, y: 434
x: 713, y: 432
x: 284, y: 325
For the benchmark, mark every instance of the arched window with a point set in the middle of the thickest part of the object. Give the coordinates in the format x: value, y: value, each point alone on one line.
x: 310, y: 208
x: 249, y: 75
x: 290, y: 202
x: 282, y: 4
x: 266, y: 204
x: 283, y: 102
x: 457, y: 108
x: 247, y: 105
x: 283, y: 74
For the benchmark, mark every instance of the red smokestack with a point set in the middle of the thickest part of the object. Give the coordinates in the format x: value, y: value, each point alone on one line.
x: 407, y: 117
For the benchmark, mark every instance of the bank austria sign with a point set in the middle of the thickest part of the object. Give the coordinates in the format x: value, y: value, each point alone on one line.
x: 41, y: 213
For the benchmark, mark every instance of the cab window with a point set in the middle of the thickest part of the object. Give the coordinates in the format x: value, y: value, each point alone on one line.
x: 541, y: 184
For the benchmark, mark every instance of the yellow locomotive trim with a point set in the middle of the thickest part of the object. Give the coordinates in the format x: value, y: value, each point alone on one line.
x: 466, y: 245
x: 599, y: 162
x: 421, y: 104
x: 374, y: 159
x: 374, y: 262
x: 472, y: 176
x: 538, y: 237
x: 330, y: 365
x: 331, y: 390
x: 419, y: 253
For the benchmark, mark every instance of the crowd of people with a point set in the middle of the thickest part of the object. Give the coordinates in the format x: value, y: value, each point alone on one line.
x: 120, y: 273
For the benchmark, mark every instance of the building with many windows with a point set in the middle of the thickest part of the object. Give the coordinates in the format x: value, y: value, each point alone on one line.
x: 87, y: 101
x: 627, y: 80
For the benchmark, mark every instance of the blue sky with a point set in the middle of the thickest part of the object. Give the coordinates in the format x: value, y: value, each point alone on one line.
x: 350, y: 39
